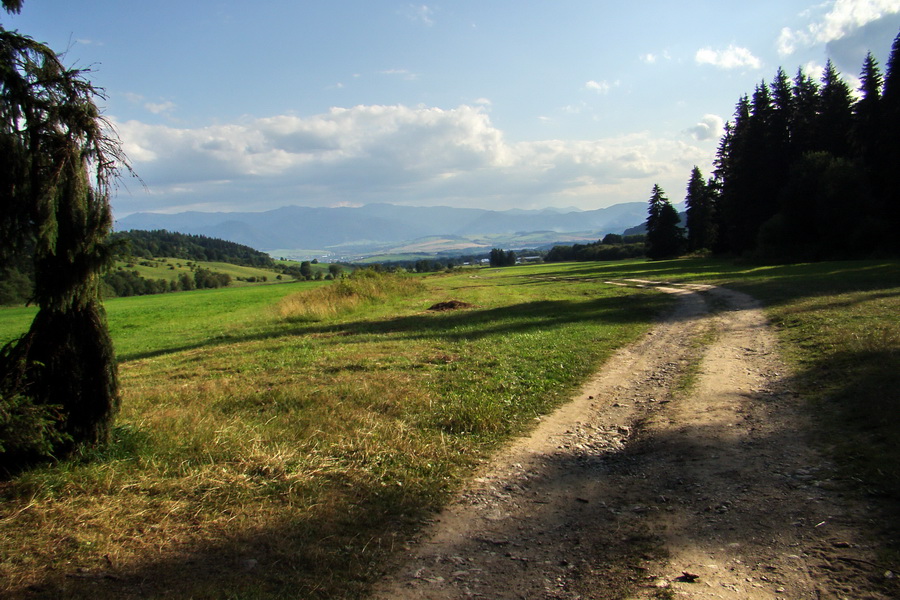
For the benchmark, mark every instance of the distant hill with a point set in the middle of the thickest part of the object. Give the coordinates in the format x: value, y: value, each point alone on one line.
x: 162, y: 243
x: 376, y: 226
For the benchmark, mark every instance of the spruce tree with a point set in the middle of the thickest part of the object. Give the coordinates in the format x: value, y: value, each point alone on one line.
x: 889, y: 192
x: 664, y: 238
x: 835, y: 122
x: 804, y: 113
x: 730, y: 177
x: 867, y: 113
x: 700, y: 224
x: 59, y: 162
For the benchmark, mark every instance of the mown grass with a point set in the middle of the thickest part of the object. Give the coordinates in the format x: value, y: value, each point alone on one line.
x: 266, y: 456
x: 164, y: 323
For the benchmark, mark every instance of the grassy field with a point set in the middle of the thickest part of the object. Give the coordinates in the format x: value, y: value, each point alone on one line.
x: 171, y: 268
x: 266, y: 451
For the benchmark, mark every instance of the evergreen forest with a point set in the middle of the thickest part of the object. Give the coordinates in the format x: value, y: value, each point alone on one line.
x: 803, y: 172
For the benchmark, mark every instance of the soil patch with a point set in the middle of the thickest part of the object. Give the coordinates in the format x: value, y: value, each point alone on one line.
x: 450, y: 305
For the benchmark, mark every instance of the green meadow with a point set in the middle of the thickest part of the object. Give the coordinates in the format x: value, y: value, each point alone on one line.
x: 171, y: 268
x: 284, y: 441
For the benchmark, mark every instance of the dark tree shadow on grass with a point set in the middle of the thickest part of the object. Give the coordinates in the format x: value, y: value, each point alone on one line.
x: 468, y: 324
x: 326, y: 556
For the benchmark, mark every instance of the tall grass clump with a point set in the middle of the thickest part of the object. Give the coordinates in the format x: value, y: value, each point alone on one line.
x: 360, y: 289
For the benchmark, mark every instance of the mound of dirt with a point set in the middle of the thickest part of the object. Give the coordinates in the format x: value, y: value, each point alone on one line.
x: 450, y: 305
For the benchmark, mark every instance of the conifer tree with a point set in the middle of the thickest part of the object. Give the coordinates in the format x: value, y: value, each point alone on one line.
x: 867, y: 113
x: 835, y: 121
x: 782, y: 99
x: 889, y: 192
x: 805, y: 109
x: 664, y: 238
x: 59, y: 162
x: 699, y: 204
x: 730, y: 177
x: 804, y: 171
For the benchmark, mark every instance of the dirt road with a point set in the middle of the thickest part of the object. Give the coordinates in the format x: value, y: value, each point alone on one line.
x: 680, y: 471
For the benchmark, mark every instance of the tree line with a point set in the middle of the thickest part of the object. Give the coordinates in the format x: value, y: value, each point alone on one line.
x: 125, y: 282
x: 804, y: 171
x: 611, y: 247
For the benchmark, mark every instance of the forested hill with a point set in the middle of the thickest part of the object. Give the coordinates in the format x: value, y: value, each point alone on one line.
x: 162, y: 243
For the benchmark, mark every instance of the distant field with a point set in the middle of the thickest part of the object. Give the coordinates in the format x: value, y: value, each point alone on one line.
x: 171, y: 268
x: 300, y: 254
x: 263, y: 457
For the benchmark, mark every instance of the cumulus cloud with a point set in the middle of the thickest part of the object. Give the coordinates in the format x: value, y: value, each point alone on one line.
x: 399, y: 154
x: 710, y: 127
x: 733, y: 57
x: 843, y: 18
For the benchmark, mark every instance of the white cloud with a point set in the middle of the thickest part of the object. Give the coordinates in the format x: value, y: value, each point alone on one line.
x: 601, y: 87
x: 165, y: 106
x: 404, y: 73
x: 651, y: 59
x: 710, y: 127
x: 399, y: 154
x: 733, y: 57
x: 160, y: 107
x: 844, y: 17
x: 421, y: 13
x: 814, y: 70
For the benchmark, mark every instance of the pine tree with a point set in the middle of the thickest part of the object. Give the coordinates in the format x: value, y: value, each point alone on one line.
x: 867, y: 113
x: 730, y: 177
x: 664, y: 238
x: 805, y: 110
x: 700, y: 224
x: 888, y: 191
x: 54, y: 198
x: 749, y: 197
x: 835, y: 121
x: 782, y: 115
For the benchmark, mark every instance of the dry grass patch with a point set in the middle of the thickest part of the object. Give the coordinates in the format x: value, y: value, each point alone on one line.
x: 362, y: 288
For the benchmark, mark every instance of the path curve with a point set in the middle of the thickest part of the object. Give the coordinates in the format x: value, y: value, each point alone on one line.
x: 644, y: 487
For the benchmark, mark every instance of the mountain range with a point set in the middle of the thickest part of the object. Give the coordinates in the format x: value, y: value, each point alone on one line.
x: 378, y: 228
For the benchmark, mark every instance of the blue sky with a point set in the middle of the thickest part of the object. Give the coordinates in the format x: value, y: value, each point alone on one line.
x: 226, y: 105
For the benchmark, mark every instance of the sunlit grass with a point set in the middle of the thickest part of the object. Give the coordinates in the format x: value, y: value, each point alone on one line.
x: 362, y: 288
x: 265, y: 454
x: 308, y: 445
